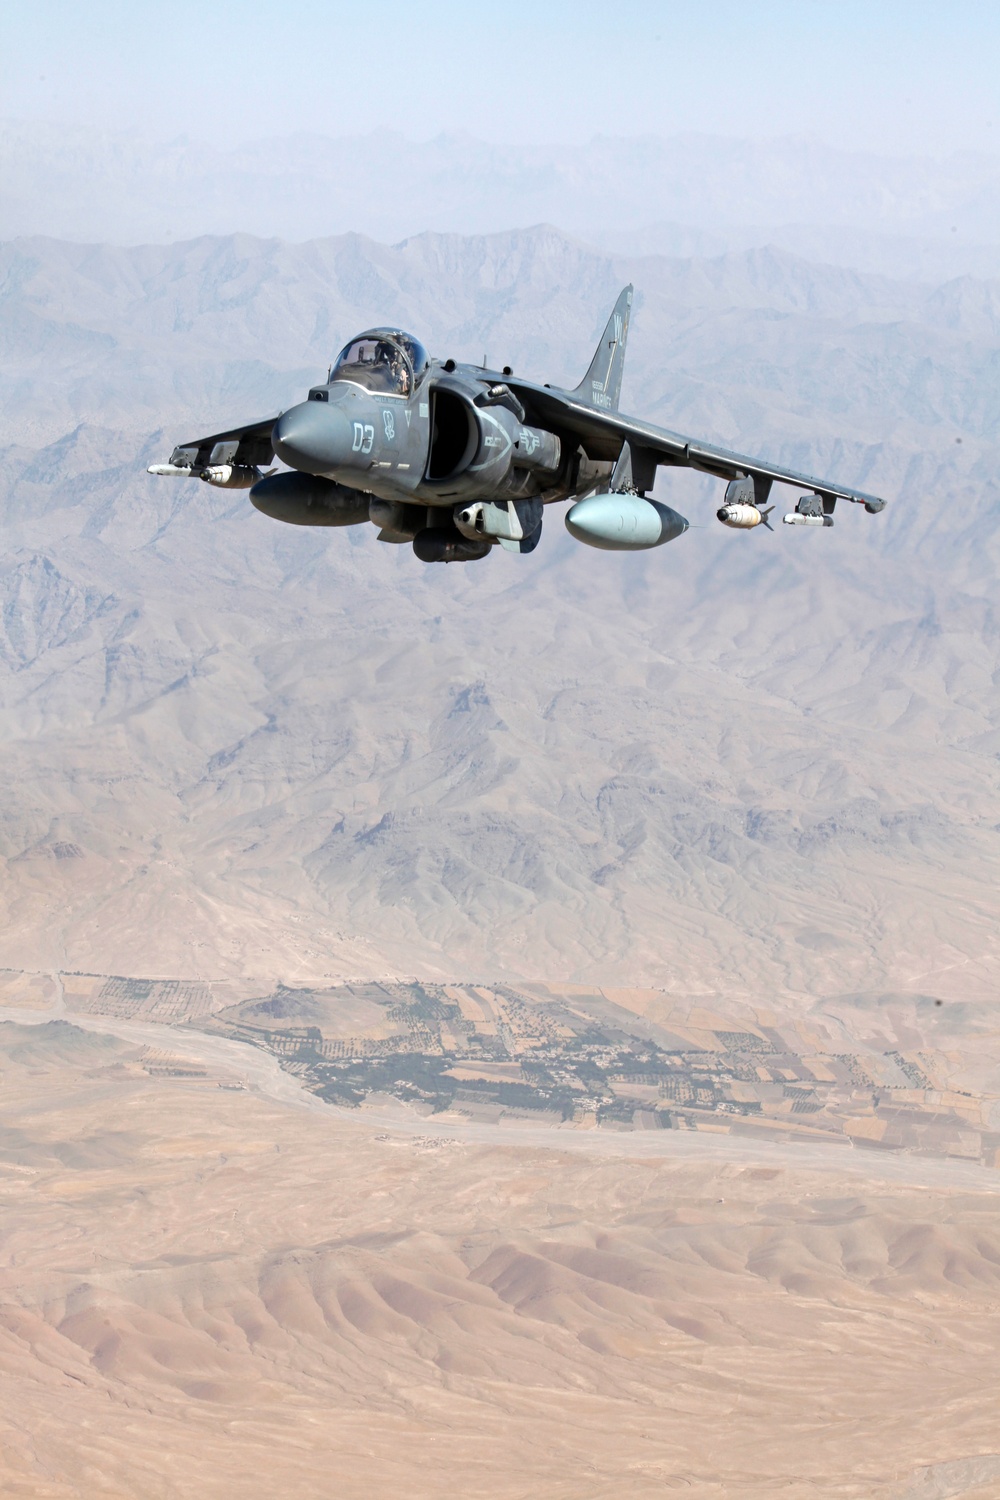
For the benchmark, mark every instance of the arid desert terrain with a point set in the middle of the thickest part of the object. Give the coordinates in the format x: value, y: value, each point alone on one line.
x: 522, y: 1030
x: 215, y: 1281
x: 207, y: 1291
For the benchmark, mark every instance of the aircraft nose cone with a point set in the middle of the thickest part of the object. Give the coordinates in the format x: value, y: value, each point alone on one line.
x: 314, y: 437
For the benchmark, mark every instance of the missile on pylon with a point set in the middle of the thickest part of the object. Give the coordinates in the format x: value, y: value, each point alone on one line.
x: 795, y: 518
x: 812, y: 510
x: 225, y: 476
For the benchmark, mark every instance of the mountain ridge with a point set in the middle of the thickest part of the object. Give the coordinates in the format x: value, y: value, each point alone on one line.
x: 78, y: 183
x: 297, y: 755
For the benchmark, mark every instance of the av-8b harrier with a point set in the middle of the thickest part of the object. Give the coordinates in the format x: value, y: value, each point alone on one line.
x: 456, y: 459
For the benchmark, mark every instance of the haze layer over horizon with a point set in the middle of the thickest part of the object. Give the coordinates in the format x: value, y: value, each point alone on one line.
x: 847, y: 135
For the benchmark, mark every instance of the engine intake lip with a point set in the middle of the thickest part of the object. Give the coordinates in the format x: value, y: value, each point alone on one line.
x: 456, y: 434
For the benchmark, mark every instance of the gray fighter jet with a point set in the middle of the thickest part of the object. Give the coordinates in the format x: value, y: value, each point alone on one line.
x: 456, y: 459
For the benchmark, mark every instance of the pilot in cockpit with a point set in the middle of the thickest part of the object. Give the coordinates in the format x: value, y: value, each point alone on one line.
x: 381, y: 364
x: 398, y: 371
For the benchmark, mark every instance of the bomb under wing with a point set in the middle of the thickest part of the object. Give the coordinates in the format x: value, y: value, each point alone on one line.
x: 456, y: 461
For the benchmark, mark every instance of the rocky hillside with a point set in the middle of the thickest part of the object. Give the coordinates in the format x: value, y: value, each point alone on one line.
x: 743, y: 764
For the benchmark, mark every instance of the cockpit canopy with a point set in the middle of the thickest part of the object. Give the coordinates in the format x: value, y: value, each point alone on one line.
x: 383, y: 360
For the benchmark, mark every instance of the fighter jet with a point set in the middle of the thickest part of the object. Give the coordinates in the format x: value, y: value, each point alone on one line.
x: 456, y: 459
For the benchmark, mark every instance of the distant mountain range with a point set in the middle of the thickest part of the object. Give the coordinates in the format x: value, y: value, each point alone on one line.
x: 748, y: 765
x: 690, y: 194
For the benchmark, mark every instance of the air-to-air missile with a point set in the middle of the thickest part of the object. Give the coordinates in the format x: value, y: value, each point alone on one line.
x: 813, y: 510
x: 224, y: 476
x: 176, y: 471
x: 795, y: 518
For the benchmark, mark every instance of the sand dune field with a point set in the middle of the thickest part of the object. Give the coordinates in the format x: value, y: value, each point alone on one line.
x: 208, y: 1293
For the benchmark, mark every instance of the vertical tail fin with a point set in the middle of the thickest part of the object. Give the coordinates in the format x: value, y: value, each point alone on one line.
x: 602, y: 384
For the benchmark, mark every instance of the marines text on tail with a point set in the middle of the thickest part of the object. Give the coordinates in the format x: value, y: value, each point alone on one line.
x: 456, y: 459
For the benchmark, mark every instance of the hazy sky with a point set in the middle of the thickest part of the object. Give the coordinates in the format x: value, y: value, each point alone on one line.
x: 887, y: 75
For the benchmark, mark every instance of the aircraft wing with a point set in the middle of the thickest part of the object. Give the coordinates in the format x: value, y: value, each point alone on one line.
x: 248, y: 446
x: 602, y: 435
